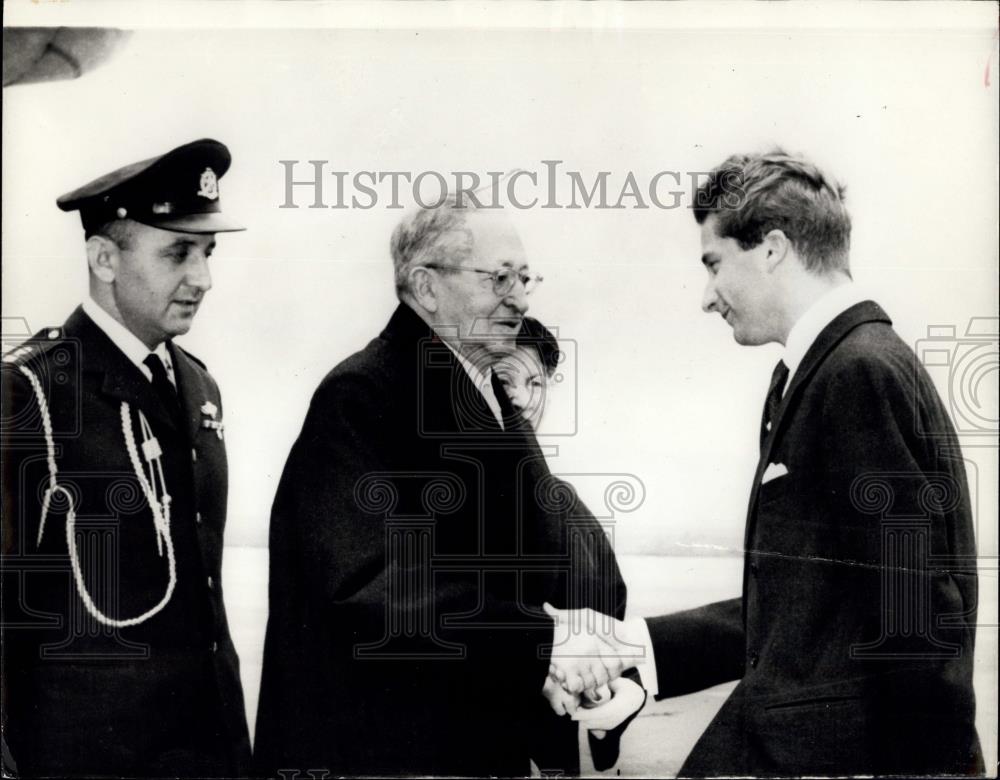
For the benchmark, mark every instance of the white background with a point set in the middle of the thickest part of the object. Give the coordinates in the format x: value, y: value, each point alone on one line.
x: 894, y: 103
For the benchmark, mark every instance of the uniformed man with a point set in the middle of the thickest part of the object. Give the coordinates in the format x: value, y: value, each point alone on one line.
x: 117, y: 654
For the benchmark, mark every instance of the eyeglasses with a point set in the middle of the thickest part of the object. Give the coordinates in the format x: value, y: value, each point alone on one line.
x: 503, y: 279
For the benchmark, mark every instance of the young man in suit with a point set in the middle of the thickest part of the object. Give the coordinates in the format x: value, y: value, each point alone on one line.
x: 853, y: 639
x: 117, y: 655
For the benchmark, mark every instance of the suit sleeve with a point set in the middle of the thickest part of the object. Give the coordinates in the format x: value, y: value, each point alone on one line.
x: 901, y: 508
x: 875, y: 462
x: 19, y: 405
x: 882, y: 467
x: 24, y: 475
x: 698, y: 648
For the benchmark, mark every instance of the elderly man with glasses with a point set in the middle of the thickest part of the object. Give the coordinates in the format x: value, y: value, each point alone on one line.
x: 413, y: 539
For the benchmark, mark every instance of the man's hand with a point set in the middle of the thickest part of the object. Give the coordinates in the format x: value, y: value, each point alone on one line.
x: 585, y: 653
x: 619, y: 645
x: 627, y: 697
x: 561, y: 702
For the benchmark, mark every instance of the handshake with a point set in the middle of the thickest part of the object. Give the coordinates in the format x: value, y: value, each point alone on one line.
x: 590, y: 651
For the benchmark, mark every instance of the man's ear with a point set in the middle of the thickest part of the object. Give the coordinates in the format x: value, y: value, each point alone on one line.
x: 102, y: 258
x: 423, y: 288
x: 776, y: 247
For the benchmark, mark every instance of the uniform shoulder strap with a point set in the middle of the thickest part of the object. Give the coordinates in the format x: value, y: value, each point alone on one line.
x: 35, y: 346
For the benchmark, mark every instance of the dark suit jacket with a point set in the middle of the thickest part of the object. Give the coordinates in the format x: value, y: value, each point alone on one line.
x: 412, y: 542
x: 80, y: 698
x: 853, y: 640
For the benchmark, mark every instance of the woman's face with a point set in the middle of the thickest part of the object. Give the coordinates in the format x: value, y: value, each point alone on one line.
x: 523, y: 377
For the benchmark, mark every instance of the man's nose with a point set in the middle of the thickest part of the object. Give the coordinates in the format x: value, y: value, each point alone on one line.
x: 709, y: 300
x: 198, y: 275
x: 517, y: 298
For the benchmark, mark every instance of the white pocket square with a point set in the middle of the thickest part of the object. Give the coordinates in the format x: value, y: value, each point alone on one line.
x: 773, y: 471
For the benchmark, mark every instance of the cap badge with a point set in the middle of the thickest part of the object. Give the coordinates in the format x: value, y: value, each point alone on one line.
x: 209, y: 185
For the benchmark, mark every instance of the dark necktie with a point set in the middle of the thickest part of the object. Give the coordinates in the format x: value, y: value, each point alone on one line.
x: 778, y: 379
x: 162, y: 385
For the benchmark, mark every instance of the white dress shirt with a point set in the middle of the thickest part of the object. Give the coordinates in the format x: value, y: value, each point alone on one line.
x: 128, y: 342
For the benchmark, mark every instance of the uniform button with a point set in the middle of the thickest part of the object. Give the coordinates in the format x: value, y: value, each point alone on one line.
x: 754, y: 660
x: 197, y: 517
x: 194, y: 455
x: 215, y: 647
x: 211, y: 584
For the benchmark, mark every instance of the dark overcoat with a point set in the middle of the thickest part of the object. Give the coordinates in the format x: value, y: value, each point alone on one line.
x: 413, y: 542
x: 82, y: 698
x: 853, y: 639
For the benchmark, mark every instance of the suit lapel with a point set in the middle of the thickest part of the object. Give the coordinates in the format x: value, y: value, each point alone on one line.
x: 829, y: 337
x: 120, y: 378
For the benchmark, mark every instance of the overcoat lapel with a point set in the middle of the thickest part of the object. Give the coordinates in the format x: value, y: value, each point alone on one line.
x: 449, y: 386
x: 466, y: 389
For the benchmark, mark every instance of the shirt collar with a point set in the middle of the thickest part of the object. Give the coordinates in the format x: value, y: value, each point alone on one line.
x: 127, y: 341
x: 808, y: 327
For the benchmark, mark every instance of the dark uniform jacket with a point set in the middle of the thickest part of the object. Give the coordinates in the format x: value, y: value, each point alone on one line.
x: 853, y: 640
x: 413, y: 542
x: 82, y: 698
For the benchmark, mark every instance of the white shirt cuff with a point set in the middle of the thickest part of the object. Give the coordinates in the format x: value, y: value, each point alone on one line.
x: 637, y: 632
